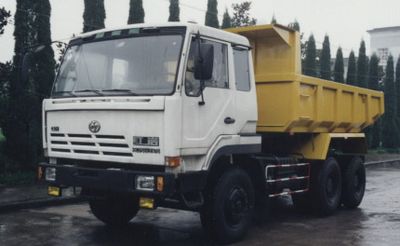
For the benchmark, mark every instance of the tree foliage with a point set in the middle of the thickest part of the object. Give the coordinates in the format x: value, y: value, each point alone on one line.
x: 5, y: 72
x: 22, y: 127
x: 310, y: 60
x: 273, y: 20
x: 338, y: 73
x: 174, y: 10
x: 5, y: 82
x: 374, y: 132
x: 295, y: 25
x: 4, y: 16
x: 93, y: 15
x: 226, y: 21
x: 136, y: 12
x: 325, y: 59
x: 352, y: 70
x: 212, y: 14
x: 241, y: 15
x: 362, y: 66
x: 16, y: 125
x: 390, y: 133
x: 398, y: 86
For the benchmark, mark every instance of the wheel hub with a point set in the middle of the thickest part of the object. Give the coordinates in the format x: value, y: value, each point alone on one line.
x: 331, y: 186
x: 236, y: 205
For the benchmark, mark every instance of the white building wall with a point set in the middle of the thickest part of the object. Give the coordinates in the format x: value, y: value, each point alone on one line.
x: 385, y: 41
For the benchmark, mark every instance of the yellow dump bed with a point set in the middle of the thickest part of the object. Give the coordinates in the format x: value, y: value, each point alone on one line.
x: 291, y: 102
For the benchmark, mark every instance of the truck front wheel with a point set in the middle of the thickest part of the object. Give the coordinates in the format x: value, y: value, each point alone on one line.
x: 353, y: 183
x: 114, y: 210
x: 228, y: 212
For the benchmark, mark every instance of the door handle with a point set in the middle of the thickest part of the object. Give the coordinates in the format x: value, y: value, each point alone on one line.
x: 229, y: 120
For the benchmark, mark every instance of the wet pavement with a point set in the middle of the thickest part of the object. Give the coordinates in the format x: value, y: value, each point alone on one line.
x: 376, y: 222
x: 29, y: 193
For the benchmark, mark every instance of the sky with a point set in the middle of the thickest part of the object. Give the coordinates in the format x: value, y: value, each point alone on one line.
x: 345, y: 21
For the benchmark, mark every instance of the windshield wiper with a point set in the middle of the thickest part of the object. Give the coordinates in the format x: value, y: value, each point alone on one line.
x: 121, y: 90
x: 98, y: 92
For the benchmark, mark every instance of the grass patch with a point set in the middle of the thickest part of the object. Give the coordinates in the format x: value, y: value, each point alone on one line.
x: 18, y: 178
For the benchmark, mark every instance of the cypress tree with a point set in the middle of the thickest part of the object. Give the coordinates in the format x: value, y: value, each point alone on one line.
x: 43, y: 67
x: 227, y: 21
x: 325, y: 59
x: 174, y: 10
x: 373, y: 73
x: 44, y: 60
x: 362, y: 66
x: 390, y: 131
x: 5, y: 82
x: 351, y: 70
x: 398, y: 86
x: 338, y: 74
x: 310, y: 60
x: 136, y: 12
x: 22, y: 127
x: 93, y: 15
x: 212, y: 14
x: 273, y: 20
x: 16, y: 124
x: 367, y: 70
x: 295, y: 25
x: 374, y: 137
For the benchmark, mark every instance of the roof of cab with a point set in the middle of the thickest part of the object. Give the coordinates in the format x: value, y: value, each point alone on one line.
x: 192, y: 27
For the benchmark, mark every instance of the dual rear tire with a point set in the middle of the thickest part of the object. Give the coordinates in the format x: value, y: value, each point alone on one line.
x: 353, y: 183
x: 331, y: 187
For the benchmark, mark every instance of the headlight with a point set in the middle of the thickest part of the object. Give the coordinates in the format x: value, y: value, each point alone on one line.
x: 50, y: 174
x: 145, y: 183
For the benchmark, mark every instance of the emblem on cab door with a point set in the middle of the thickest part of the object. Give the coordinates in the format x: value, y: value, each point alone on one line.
x: 94, y: 126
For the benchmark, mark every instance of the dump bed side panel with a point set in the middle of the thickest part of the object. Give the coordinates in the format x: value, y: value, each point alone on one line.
x: 291, y: 102
x: 307, y: 104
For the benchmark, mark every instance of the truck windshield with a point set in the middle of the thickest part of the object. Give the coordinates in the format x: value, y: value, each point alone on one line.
x: 143, y: 65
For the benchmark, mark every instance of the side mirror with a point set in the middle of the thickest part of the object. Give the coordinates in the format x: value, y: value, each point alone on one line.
x: 204, y: 62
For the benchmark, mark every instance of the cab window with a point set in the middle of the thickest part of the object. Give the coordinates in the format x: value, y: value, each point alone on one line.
x: 242, y: 69
x: 220, y: 78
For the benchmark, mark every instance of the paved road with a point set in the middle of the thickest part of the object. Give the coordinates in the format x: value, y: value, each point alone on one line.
x: 377, y: 222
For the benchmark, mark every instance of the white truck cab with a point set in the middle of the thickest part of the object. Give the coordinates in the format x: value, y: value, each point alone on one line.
x: 130, y: 96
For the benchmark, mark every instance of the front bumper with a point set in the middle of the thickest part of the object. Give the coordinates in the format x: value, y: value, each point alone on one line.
x: 122, y: 180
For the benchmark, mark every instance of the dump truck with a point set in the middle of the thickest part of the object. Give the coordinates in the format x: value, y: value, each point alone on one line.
x: 220, y: 122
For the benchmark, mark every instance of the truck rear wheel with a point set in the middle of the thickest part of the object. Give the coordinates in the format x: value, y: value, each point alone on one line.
x: 114, y: 210
x: 328, y: 188
x: 353, y: 183
x: 228, y: 213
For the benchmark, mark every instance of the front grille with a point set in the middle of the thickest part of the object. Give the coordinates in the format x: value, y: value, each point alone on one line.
x: 105, y: 165
x: 90, y: 144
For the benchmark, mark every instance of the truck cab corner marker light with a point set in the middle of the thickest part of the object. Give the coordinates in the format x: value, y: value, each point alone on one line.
x: 173, y: 161
x: 160, y: 184
x: 40, y: 173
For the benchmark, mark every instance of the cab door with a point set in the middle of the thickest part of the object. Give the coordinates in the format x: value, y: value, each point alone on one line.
x: 204, y: 121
